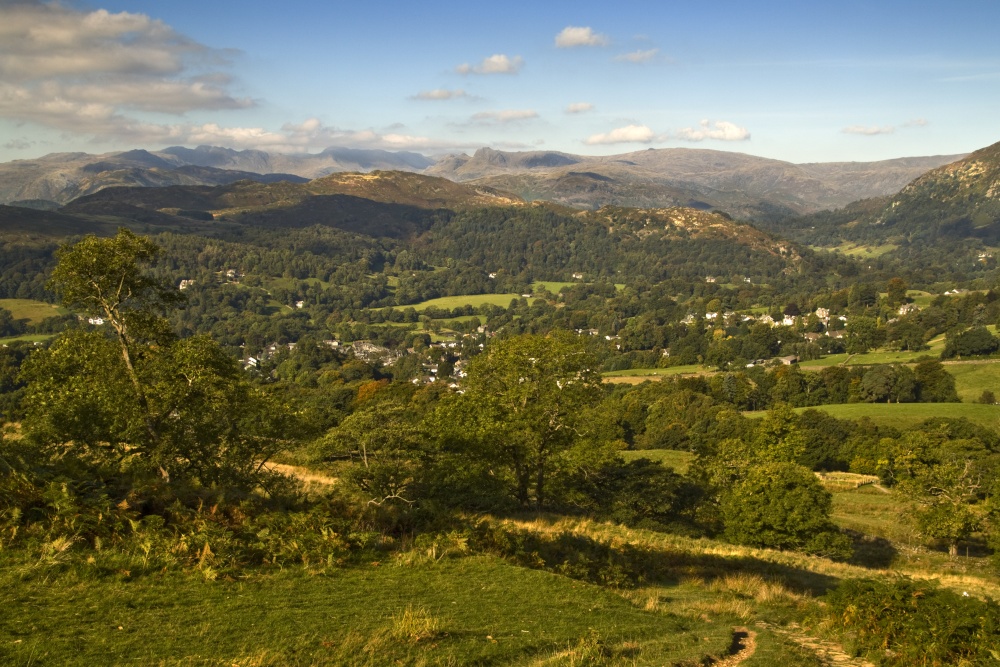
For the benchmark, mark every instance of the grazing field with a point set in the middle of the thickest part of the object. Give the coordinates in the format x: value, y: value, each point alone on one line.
x: 26, y: 338
x: 905, y: 415
x: 875, y: 512
x: 474, y: 300
x: 920, y: 298
x: 640, y: 375
x: 673, y: 458
x: 876, y: 357
x: 859, y: 251
x: 31, y: 310
x: 552, y: 285
x: 972, y: 378
x: 473, y: 610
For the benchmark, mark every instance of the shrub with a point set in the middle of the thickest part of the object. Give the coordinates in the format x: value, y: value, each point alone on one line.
x: 902, y: 622
x: 782, y: 506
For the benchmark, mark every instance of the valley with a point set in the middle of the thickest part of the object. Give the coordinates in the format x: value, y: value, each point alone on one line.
x: 616, y: 429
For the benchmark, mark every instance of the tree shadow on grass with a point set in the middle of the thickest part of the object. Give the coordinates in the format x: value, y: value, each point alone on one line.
x: 624, y: 565
x: 870, y: 551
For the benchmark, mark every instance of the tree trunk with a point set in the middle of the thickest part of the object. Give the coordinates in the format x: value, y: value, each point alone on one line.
x: 953, y: 549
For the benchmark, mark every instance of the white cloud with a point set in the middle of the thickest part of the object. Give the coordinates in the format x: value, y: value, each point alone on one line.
x: 99, y: 74
x: 630, y: 134
x: 504, y: 116
x: 83, y: 72
x: 46, y: 40
x: 440, y: 94
x: 312, y: 134
x: 720, y: 130
x: 869, y: 130
x: 580, y: 107
x: 495, y: 64
x: 637, y: 56
x: 572, y: 36
x: 916, y: 122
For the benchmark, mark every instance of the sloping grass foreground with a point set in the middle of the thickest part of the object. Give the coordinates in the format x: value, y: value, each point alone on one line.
x: 473, y: 610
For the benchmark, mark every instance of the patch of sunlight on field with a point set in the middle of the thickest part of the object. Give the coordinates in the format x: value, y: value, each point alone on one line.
x: 31, y: 310
x: 972, y: 378
x: 679, y: 460
x: 474, y: 300
x: 906, y: 415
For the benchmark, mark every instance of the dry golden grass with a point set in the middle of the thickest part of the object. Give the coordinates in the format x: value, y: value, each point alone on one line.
x: 304, y: 475
x: 414, y: 624
x: 712, y: 559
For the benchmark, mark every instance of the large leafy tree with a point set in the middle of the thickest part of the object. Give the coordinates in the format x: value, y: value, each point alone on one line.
x: 523, y: 412
x: 947, y: 480
x: 782, y: 506
x: 131, y: 397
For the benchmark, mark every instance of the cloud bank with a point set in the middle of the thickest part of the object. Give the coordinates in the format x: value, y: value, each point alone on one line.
x: 720, y: 131
x: 88, y: 72
x: 440, y: 94
x: 630, y: 134
x: 875, y: 130
x: 637, y: 56
x: 574, y: 36
x: 504, y: 116
x: 495, y: 64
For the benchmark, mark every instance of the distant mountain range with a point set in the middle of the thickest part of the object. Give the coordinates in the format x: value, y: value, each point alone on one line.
x: 744, y: 186
x: 63, y: 177
x: 955, y: 202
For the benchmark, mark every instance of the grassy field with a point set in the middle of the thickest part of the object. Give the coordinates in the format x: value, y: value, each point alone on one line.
x: 972, y: 378
x: 936, y: 346
x: 33, y: 311
x: 639, y: 375
x: 552, y: 285
x: 674, y: 458
x: 474, y: 300
x: 905, y: 415
x: 873, y: 512
x: 858, y: 250
x: 920, y: 298
x: 26, y: 338
x: 473, y: 610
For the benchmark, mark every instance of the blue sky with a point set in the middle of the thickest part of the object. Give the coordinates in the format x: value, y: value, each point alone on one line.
x: 796, y: 81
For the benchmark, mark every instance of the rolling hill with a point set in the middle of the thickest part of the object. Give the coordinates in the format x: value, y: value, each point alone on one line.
x: 62, y: 177
x: 745, y: 186
x: 955, y: 203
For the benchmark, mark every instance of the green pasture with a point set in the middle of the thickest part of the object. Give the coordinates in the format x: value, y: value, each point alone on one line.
x: 26, y: 338
x: 935, y: 347
x: 906, y: 415
x: 860, y: 251
x: 463, y: 319
x: 474, y: 300
x: 31, y: 310
x: 920, y: 298
x: 972, y: 378
x: 653, y: 373
x: 874, y: 512
x: 552, y: 285
x: 473, y: 610
x: 672, y: 458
